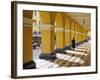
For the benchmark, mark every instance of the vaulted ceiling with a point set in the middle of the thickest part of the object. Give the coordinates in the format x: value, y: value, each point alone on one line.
x: 83, y: 19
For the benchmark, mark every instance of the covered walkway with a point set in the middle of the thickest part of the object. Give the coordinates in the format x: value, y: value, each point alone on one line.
x: 56, y: 32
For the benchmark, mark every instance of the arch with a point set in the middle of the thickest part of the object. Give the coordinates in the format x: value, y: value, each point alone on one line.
x: 45, y: 17
x: 67, y: 23
x: 58, y: 20
x: 52, y: 17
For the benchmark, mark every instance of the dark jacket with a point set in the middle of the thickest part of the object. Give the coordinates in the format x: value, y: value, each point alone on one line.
x: 73, y: 43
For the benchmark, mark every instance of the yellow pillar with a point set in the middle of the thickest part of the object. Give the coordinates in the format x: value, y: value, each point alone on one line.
x: 47, y: 42
x: 81, y: 30
x: 72, y: 31
x: 81, y: 34
x: 59, y: 32
x: 85, y: 34
x: 27, y: 41
x: 47, y: 36
x: 76, y: 33
x: 59, y: 39
x: 67, y: 42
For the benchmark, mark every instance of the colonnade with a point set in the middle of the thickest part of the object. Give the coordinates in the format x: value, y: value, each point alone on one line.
x: 61, y: 27
x: 57, y: 30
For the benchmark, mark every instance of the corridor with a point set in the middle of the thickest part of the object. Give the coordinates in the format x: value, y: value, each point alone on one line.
x: 56, y: 39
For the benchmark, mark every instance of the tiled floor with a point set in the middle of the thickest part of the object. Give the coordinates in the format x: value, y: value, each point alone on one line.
x: 78, y: 57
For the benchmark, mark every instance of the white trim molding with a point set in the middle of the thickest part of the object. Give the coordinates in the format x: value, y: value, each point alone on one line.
x: 67, y: 30
x: 27, y: 20
x: 28, y: 25
x: 59, y: 29
x: 46, y: 27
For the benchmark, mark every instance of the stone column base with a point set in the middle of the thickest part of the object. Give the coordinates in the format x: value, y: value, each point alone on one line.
x: 29, y: 65
x: 67, y: 48
x: 47, y: 56
x: 59, y: 50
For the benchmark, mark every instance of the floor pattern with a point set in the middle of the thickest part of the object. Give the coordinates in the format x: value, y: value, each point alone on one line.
x: 70, y: 58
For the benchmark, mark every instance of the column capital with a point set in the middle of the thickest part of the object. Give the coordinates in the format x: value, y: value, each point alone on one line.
x: 46, y: 26
x: 57, y: 29
x: 67, y: 30
x: 27, y: 20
